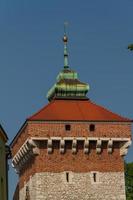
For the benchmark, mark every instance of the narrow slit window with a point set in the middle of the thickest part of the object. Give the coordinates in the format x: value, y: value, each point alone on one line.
x: 27, y: 197
x: 95, y: 177
x: 67, y: 177
x: 92, y: 127
x: 67, y: 127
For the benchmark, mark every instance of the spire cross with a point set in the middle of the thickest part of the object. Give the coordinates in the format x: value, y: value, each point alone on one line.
x: 65, y: 40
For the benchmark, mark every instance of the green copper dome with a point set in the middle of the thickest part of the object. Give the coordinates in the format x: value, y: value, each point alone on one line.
x: 68, y: 85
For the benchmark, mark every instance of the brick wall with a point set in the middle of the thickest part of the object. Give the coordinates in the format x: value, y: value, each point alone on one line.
x: 80, y: 129
x: 18, y: 142
x: 47, y: 129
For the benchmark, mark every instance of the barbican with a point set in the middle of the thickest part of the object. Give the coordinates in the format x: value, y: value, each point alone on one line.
x: 71, y: 149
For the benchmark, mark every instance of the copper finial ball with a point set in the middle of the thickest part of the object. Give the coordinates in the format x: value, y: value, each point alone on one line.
x: 65, y: 39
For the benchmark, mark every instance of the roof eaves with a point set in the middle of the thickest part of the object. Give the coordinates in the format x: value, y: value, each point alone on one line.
x: 54, y: 120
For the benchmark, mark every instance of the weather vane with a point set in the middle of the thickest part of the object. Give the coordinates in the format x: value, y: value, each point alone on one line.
x: 65, y: 28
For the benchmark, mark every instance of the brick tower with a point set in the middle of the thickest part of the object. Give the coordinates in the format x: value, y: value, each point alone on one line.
x: 72, y: 149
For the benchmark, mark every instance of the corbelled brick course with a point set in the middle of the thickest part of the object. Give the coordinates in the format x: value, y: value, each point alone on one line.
x: 78, y: 129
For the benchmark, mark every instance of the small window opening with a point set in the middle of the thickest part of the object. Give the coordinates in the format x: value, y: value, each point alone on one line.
x: 92, y: 127
x: 94, y: 177
x: 67, y: 177
x: 67, y: 127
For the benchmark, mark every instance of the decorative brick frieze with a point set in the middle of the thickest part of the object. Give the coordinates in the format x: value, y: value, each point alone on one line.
x: 78, y: 129
x: 30, y: 148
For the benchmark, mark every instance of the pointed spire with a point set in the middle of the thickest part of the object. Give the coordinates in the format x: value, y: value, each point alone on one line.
x: 65, y: 40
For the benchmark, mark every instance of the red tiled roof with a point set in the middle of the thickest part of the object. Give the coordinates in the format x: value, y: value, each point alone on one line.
x: 79, y: 110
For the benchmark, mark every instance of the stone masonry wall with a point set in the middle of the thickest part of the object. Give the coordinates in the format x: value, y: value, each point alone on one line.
x: 79, y: 186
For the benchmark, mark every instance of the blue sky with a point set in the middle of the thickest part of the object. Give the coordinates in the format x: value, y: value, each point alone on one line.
x: 31, y: 55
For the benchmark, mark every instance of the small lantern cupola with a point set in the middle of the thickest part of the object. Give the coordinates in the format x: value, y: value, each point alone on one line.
x: 68, y: 86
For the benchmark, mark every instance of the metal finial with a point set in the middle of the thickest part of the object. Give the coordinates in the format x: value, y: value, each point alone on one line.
x: 65, y: 28
x: 65, y: 40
